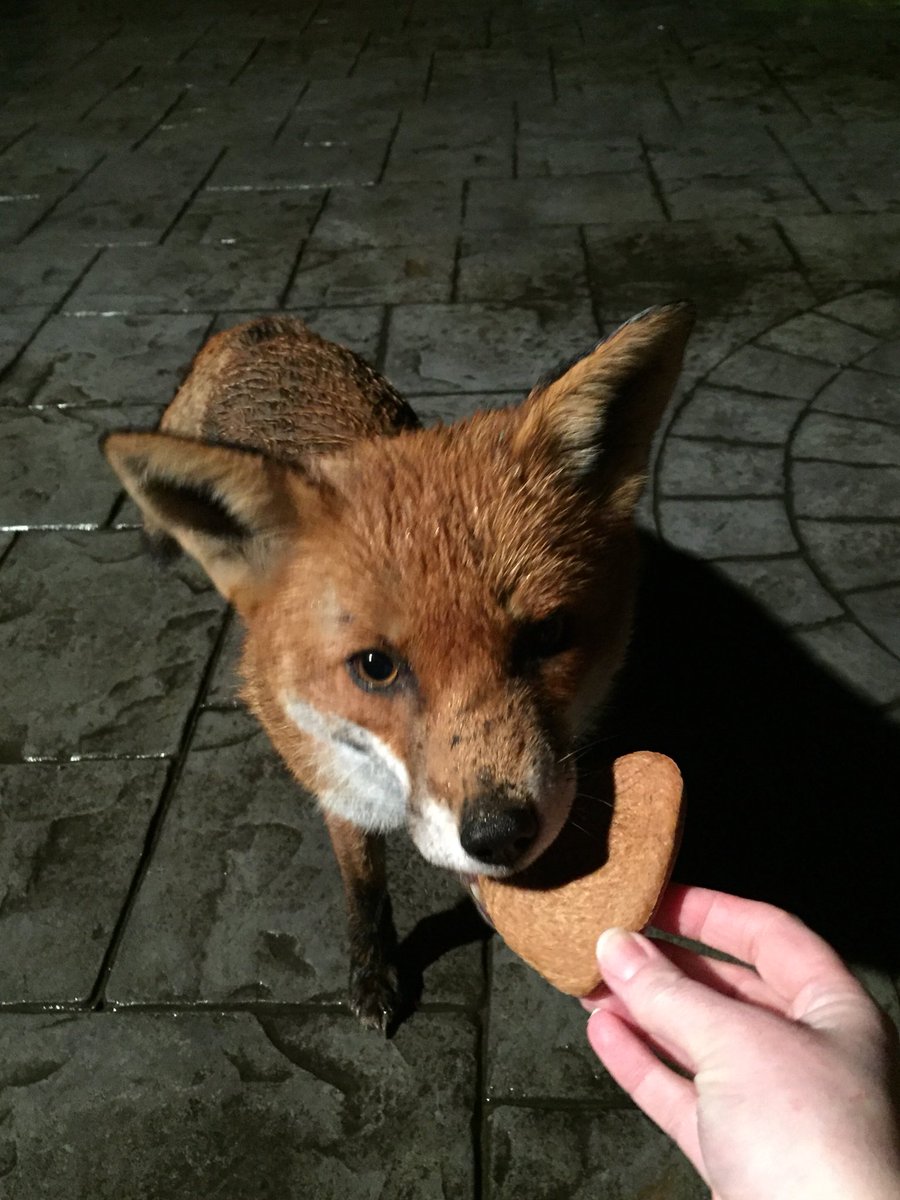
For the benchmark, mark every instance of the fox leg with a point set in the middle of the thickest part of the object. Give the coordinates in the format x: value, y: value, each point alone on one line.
x: 374, y: 988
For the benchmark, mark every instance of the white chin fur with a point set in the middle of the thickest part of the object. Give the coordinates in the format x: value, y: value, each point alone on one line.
x: 368, y: 783
x: 435, y: 835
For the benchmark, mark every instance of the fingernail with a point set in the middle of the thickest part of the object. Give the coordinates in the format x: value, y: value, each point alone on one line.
x: 620, y: 953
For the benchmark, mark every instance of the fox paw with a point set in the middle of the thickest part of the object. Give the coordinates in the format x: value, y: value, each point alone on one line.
x: 375, y: 997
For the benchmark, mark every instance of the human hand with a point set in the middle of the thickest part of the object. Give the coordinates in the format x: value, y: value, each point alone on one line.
x: 793, y: 1067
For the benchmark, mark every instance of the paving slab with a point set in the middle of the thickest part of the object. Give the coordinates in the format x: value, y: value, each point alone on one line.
x: 861, y: 395
x: 717, y: 262
x: 815, y: 335
x: 537, y: 1045
x: 40, y: 276
x: 52, y: 475
x: 787, y: 588
x: 566, y: 200
x: 873, y: 310
x: 718, y: 412
x: 243, y: 899
x: 693, y: 467
x: 497, y: 267
x: 853, y: 554
x: 70, y: 842
x: 186, y: 278
x: 841, y: 247
x: 717, y: 528
x: 110, y: 360
x: 853, y: 655
x: 296, y: 165
x: 124, y: 643
x: 407, y: 272
x: 847, y: 439
x: 483, y: 347
x: 824, y: 489
x: 205, y: 1104
x: 232, y: 218
x: 757, y: 369
x: 18, y: 328
x: 373, y: 216
x: 619, y: 1155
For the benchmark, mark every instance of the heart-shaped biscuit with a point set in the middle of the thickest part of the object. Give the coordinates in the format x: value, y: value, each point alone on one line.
x: 608, y: 867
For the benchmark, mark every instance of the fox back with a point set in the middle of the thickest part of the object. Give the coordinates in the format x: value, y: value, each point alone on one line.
x: 434, y: 617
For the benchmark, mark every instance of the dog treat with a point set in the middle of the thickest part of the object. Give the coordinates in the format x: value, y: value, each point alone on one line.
x: 608, y: 867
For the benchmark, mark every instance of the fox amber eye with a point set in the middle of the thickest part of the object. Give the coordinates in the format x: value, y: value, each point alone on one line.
x: 374, y: 670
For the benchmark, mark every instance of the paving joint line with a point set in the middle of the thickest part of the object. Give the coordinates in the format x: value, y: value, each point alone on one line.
x: 667, y: 98
x: 96, y: 999
x: 301, y: 249
x: 798, y: 170
x: 115, y: 88
x: 383, y: 336
x: 515, y: 144
x: 76, y: 183
x: 283, y: 123
x: 360, y: 52
x: 194, y: 193
x: 554, y: 83
x: 429, y: 75
x: 246, y: 63
x: 655, y: 183
x: 156, y: 124
x: 191, y: 46
x: 52, y: 311
x: 793, y: 518
x: 785, y: 92
x: 392, y: 137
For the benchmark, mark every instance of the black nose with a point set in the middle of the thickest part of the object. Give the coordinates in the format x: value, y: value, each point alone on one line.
x: 499, y: 836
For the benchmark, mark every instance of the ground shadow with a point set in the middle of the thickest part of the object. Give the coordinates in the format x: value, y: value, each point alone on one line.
x: 792, y: 779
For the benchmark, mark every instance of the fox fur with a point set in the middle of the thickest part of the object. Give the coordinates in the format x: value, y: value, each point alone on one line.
x: 433, y: 617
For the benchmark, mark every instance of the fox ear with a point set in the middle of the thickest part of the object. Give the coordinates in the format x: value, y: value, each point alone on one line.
x: 231, y: 510
x: 597, y: 419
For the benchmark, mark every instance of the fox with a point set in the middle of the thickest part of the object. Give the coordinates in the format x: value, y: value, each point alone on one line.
x: 433, y: 617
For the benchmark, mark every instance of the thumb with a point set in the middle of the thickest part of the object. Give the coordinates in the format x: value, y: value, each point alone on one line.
x: 676, y: 1011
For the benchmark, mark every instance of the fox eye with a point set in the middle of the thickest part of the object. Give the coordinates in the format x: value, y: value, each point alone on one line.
x: 546, y: 638
x: 374, y: 670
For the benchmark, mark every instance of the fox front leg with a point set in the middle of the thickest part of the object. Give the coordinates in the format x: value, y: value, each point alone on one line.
x: 374, y: 988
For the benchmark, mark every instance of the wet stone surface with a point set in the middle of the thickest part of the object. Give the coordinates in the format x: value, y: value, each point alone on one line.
x: 616, y: 1154
x: 249, y: 1107
x: 243, y: 900
x: 468, y: 199
x: 110, y: 648
x: 72, y: 834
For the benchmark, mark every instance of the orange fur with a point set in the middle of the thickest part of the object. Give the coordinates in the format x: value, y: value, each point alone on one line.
x: 302, y: 483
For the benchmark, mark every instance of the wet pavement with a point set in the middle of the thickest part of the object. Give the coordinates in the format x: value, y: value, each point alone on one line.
x: 466, y: 194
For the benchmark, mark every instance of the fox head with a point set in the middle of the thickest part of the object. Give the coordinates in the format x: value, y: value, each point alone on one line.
x: 433, y: 619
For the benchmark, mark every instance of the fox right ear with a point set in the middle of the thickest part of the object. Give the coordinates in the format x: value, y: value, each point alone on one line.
x: 596, y: 420
x: 230, y: 509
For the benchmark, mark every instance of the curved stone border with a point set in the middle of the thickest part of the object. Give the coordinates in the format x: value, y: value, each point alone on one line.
x: 782, y: 466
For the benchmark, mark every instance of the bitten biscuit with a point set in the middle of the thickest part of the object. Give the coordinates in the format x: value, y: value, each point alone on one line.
x: 608, y: 867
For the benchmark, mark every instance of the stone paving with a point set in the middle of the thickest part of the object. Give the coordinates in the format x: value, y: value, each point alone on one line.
x: 466, y: 194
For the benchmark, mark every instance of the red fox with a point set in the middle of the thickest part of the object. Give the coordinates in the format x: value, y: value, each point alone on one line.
x: 433, y: 617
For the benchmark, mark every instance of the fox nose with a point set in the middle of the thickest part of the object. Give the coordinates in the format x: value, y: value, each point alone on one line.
x: 498, y: 836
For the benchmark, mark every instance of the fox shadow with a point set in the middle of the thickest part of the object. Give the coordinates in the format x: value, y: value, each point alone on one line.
x: 792, y: 779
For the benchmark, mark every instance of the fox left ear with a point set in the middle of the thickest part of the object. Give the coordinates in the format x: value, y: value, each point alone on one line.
x: 597, y: 419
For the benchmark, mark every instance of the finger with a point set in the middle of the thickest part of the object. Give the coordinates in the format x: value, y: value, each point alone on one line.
x: 665, y: 1097
x: 785, y: 952
x: 668, y: 1053
x: 696, y: 1020
x: 729, y: 979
